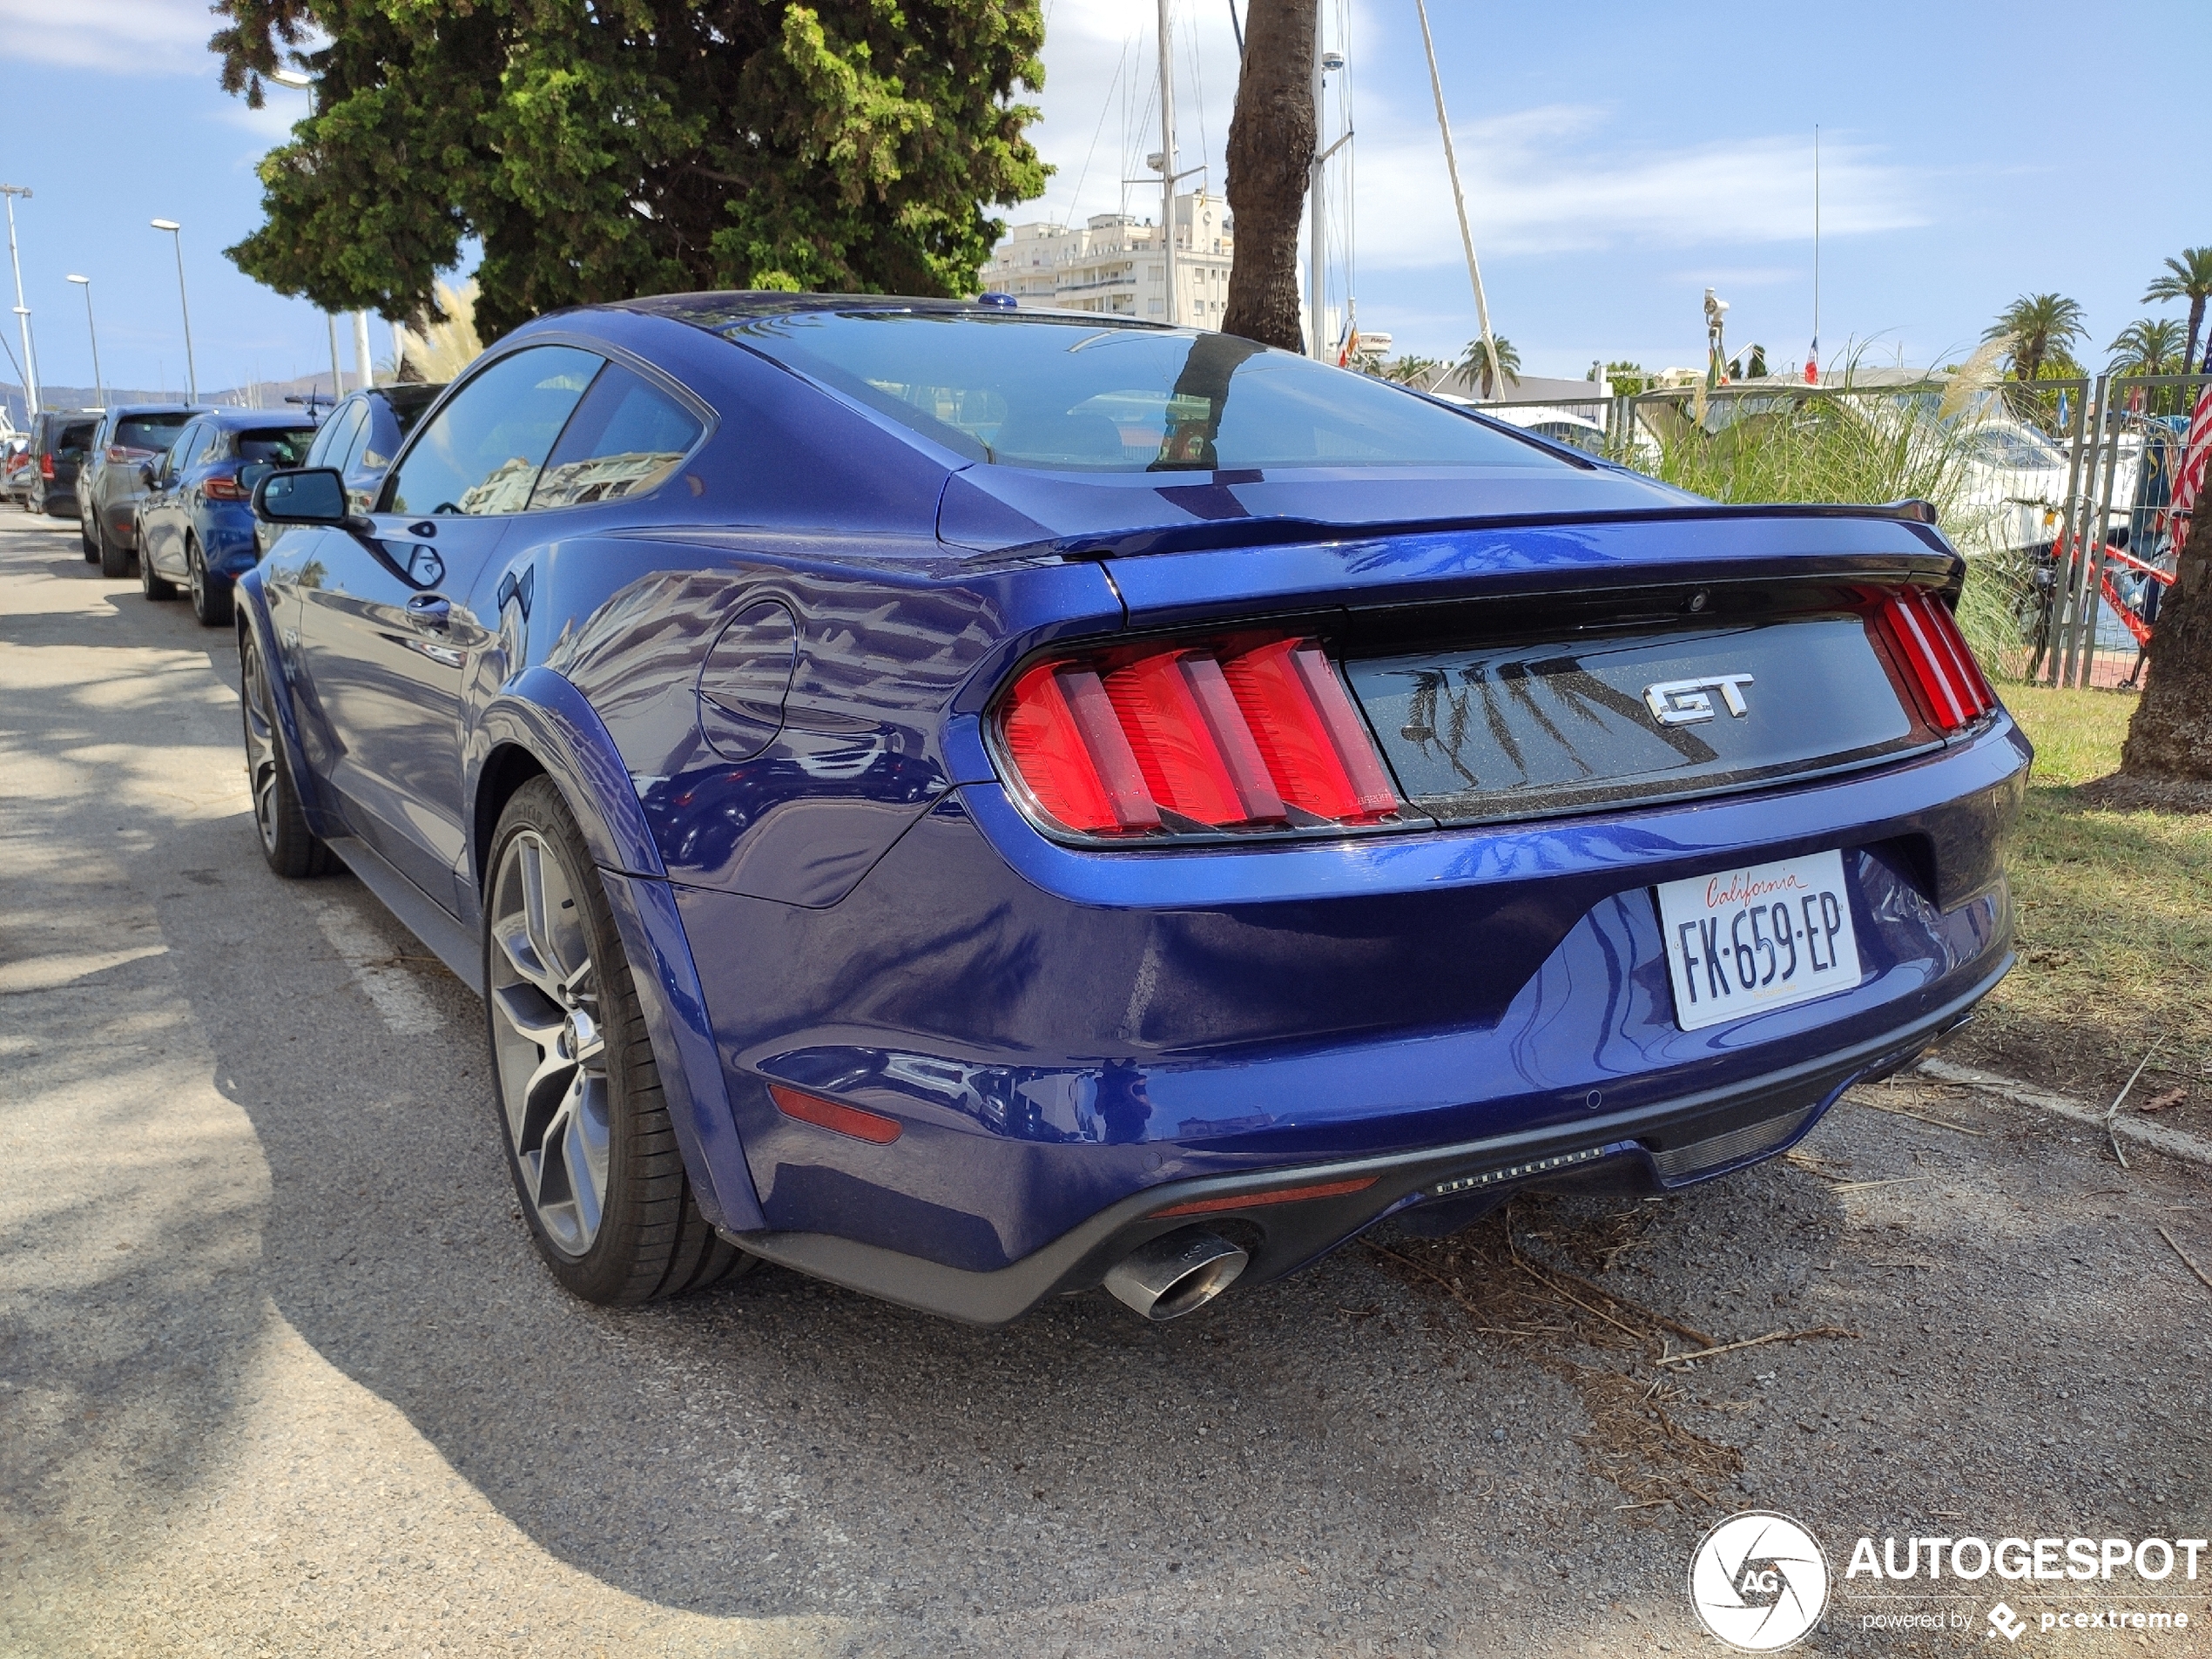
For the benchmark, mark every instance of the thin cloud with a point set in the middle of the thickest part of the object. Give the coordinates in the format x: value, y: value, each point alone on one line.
x: 121, y: 37
x: 1546, y: 181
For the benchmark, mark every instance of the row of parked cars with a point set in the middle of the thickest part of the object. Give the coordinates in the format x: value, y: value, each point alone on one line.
x: 169, y: 487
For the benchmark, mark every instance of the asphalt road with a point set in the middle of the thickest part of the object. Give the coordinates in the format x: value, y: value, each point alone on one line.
x: 279, y: 1372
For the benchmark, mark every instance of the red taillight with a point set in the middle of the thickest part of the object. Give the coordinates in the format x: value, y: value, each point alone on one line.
x: 222, y: 486
x: 1187, y: 738
x: 46, y: 466
x: 1313, y: 739
x: 124, y: 452
x: 1924, y: 638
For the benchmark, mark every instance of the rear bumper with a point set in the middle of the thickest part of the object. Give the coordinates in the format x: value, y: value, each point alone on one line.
x: 121, y: 520
x: 1655, y: 1148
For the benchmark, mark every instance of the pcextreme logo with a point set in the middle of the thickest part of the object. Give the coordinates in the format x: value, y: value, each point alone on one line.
x: 1758, y: 1581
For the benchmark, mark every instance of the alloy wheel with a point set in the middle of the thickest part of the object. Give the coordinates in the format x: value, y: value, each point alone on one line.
x: 546, y: 1044
x: 260, y: 710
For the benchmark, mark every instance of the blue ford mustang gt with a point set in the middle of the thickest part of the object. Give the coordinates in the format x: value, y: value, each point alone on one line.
x: 979, y: 805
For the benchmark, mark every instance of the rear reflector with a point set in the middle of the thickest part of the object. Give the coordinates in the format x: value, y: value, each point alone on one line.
x: 827, y: 1113
x: 1183, y: 738
x: 1254, y: 1200
x: 1924, y: 638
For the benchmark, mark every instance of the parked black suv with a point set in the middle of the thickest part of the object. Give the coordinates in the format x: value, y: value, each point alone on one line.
x: 61, y: 441
x: 115, y: 478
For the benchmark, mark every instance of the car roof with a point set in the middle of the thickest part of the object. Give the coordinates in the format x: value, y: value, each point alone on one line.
x: 259, y: 417
x: 718, y: 310
x: 123, y: 409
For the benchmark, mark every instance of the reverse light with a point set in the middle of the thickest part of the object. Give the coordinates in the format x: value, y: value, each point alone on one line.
x: 1182, y: 737
x: 1924, y: 638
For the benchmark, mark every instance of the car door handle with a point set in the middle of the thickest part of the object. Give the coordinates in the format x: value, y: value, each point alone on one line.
x: 430, y: 610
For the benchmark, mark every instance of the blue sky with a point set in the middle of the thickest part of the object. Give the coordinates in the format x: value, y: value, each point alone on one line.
x: 1619, y: 159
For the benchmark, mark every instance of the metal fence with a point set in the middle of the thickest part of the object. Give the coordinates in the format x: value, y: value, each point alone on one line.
x: 2057, y: 490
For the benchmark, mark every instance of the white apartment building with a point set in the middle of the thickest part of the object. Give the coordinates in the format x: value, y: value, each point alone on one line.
x: 1115, y: 264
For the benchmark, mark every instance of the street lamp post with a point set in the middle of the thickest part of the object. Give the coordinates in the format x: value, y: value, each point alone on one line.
x: 176, y: 235
x: 23, y: 311
x: 99, y: 382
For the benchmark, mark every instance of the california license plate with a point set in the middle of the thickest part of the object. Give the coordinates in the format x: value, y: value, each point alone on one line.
x: 1742, y: 941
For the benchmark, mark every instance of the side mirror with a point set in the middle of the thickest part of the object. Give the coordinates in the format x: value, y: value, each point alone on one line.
x: 250, y: 475
x: 148, y: 471
x: 304, y: 495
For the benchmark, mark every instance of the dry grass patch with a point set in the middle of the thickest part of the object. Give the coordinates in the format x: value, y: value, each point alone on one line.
x: 1606, y: 1346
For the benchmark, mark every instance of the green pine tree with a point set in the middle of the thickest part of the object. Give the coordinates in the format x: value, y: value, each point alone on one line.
x: 604, y: 149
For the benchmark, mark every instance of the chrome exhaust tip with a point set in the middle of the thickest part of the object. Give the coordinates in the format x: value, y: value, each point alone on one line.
x: 1176, y: 1274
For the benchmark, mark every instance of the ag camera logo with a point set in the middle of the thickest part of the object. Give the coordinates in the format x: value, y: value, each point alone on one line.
x: 1758, y: 1581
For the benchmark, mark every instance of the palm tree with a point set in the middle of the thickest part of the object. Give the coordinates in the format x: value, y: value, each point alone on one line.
x: 1409, y: 370
x: 2148, y: 346
x: 1271, y: 154
x: 1476, y: 364
x: 2041, y: 327
x: 2188, y: 278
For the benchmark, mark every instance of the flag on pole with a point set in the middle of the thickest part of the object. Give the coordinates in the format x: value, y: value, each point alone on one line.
x: 2189, y: 477
x: 1812, y: 363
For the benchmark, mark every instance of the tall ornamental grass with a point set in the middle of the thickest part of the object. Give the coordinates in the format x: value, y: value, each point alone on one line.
x: 1809, y: 446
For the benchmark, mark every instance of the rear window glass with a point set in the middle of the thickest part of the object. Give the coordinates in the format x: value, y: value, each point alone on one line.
x: 1075, y: 396
x: 280, y: 446
x: 149, y: 431
x: 76, y: 437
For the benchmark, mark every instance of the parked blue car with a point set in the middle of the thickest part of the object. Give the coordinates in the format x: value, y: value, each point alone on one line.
x: 977, y: 805
x: 195, y: 520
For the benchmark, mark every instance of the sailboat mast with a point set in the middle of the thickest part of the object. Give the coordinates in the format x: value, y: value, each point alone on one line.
x: 1167, y: 161
x: 1815, y: 375
x: 1459, y: 201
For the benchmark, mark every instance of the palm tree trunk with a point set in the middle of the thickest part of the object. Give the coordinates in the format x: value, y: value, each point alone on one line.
x: 1271, y: 154
x: 2171, y: 734
x: 2196, y: 321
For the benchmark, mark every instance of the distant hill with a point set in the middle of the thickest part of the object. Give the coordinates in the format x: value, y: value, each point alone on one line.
x: 262, y: 395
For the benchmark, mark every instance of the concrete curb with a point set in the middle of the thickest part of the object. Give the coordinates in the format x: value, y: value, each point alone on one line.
x: 2175, y: 1142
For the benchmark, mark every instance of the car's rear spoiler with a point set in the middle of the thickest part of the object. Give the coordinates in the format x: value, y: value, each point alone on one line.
x: 1221, y: 534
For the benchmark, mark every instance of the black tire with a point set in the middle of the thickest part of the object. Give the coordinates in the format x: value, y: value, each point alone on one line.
x: 85, y: 536
x: 152, y: 586
x: 211, y: 598
x: 115, y: 562
x: 648, y: 1239
x: 293, y: 850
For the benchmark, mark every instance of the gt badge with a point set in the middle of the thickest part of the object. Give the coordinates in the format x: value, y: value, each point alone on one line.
x: 1685, y: 702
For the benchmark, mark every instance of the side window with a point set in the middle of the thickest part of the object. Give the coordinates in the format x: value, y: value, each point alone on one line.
x: 190, y: 442
x: 336, y: 433
x: 481, y: 452
x: 349, y: 460
x: 625, y: 437
x: 380, y: 436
